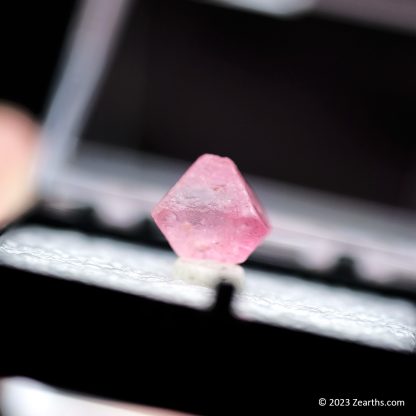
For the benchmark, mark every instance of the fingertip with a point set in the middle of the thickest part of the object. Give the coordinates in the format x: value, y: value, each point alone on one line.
x: 18, y: 144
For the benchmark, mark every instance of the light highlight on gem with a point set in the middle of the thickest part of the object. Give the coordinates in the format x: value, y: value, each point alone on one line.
x: 211, y: 213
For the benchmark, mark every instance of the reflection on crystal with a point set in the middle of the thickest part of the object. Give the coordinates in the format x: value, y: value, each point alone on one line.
x: 212, y: 213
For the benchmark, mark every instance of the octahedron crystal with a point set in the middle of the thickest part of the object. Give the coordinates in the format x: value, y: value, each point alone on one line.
x: 211, y: 213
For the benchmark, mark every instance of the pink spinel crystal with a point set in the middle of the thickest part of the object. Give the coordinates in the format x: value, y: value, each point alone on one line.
x: 211, y: 213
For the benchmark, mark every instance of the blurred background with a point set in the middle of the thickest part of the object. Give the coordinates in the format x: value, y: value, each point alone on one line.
x: 315, y: 93
x: 307, y: 99
x: 313, y: 99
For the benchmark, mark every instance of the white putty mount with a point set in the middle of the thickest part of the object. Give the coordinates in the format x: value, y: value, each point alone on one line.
x: 208, y: 273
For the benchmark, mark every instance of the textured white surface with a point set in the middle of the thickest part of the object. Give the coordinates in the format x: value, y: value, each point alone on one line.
x: 267, y: 297
x: 312, y: 228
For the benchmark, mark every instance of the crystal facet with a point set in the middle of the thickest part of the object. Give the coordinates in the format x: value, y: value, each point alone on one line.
x: 211, y: 213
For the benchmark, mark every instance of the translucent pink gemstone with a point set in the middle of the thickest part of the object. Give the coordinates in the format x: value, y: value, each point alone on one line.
x: 211, y: 213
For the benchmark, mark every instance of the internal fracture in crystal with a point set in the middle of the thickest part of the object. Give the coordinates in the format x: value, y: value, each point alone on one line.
x: 211, y: 213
